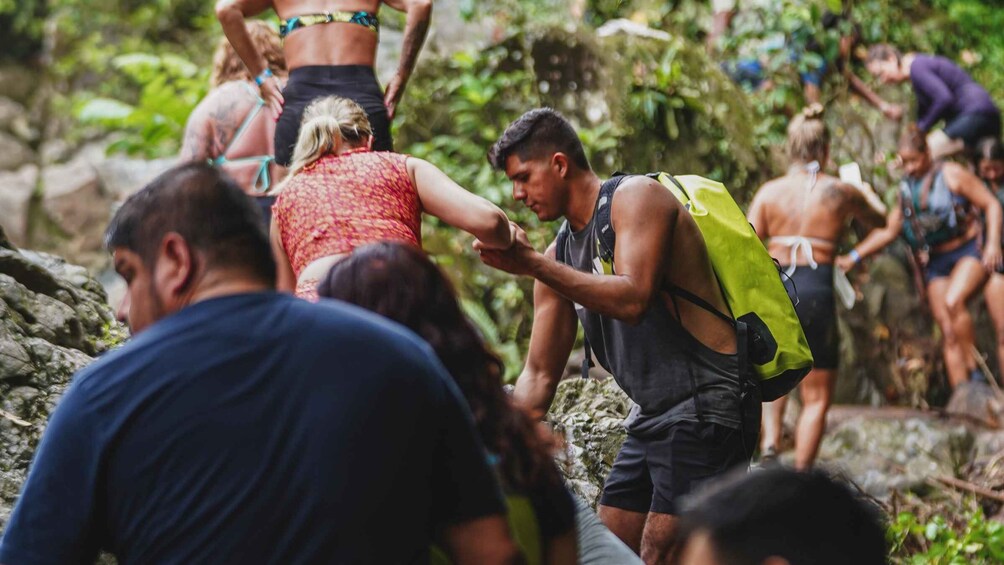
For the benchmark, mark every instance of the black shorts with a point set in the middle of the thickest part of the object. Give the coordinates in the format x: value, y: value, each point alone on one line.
x: 971, y: 128
x: 652, y: 474
x: 306, y: 84
x: 817, y: 312
x: 941, y: 264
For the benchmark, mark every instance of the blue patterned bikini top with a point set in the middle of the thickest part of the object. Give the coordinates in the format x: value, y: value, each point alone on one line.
x: 365, y: 19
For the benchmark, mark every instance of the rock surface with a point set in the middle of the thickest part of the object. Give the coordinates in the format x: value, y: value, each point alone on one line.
x: 880, y: 450
x: 54, y: 319
x: 589, y: 413
x: 16, y: 190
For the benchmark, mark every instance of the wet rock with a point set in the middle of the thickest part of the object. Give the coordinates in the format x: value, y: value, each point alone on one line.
x: 53, y: 319
x: 885, y: 455
x: 977, y: 401
x: 16, y: 190
x: 589, y: 413
x: 14, y: 153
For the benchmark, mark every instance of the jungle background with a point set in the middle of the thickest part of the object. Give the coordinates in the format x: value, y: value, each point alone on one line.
x: 101, y: 90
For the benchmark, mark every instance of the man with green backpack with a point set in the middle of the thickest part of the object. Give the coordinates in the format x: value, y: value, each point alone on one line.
x: 662, y: 311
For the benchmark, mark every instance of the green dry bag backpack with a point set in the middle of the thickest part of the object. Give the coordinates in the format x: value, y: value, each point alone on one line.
x: 770, y: 336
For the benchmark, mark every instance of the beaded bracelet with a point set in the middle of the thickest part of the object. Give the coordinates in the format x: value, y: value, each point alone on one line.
x: 265, y: 75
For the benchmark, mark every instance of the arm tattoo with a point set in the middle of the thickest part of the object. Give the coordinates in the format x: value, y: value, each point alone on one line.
x: 414, y: 37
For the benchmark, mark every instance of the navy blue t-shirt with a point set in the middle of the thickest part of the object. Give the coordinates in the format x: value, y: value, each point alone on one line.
x: 255, y: 428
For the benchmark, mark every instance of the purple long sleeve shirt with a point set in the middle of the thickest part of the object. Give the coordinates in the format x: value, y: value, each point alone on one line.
x: 944, y: 91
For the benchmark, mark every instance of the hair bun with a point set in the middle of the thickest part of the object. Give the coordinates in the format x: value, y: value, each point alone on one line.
x: 813, y: 111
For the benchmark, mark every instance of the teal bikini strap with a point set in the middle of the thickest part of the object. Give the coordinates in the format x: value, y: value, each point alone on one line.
x: 259, y: 104
x: 262, y: 180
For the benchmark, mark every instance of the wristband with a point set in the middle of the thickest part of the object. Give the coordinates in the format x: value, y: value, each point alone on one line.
x: 265, y: 75
x: 855, y: 256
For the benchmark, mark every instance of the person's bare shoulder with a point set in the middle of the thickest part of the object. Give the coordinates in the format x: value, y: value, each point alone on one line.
x: 772, y: 188
x: 953, y: 171
x: 643, y: 189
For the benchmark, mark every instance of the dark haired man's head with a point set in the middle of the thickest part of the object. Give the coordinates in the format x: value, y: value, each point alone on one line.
x: 540, y: 152
x: 781, y: 517
x: 189, y: 233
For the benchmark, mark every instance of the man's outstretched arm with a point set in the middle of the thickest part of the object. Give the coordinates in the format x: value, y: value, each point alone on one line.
x: 643, y: 214
x: 551, y: 341
x: 419, y: 14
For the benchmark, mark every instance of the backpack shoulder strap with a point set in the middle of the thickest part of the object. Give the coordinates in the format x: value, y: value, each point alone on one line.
x: 561, y: 243
x: 607, y: 237
x: 925, y: 189
x: 700, y: 302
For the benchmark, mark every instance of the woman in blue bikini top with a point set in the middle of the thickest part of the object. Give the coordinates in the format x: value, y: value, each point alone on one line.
x: 228, y: 128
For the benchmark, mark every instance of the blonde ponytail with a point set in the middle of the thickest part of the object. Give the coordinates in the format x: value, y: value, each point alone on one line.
x: 328, y: 123
x: 808, y: 136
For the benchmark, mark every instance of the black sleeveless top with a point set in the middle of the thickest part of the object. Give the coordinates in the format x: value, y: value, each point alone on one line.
x: 657, y: 362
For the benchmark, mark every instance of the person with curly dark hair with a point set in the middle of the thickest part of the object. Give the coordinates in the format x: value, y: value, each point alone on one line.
x: 400, y: 282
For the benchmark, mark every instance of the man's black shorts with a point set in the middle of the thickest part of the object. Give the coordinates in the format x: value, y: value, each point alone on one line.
x: 651, y: 474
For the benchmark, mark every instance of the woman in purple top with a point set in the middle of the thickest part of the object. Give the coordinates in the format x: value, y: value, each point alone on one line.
x: 944, y: 91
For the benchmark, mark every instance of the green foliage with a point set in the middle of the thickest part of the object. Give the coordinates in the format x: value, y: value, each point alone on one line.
x: 169, y: 88
x: 976, y: 541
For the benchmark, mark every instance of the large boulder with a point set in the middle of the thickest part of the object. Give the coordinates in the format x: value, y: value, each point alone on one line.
x: 16, y: 190
x: 14, y: 153
x: 887, y: 451
x: 589, y: 413
x: 73, y: 198
x: 54, y: 319
x: 14, y: 118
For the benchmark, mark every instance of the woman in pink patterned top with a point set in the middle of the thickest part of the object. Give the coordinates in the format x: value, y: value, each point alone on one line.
x: 340, y: 195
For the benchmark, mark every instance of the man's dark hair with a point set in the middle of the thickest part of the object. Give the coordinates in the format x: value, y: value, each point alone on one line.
x: 538, y: 133
x: 804, y: 517
x: 204, y: 206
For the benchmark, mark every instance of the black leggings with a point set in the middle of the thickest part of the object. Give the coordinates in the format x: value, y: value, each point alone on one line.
x: 306, y: 84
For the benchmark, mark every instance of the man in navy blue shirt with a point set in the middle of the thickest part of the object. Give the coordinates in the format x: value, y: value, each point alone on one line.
x: 245, y: 426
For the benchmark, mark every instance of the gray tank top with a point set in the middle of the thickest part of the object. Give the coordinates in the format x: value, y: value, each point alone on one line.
x: 657, y: 362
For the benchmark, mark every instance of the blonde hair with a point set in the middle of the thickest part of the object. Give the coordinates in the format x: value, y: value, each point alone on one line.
x: 808, y: 136
x: 327, y: 124
x: 227, y: 65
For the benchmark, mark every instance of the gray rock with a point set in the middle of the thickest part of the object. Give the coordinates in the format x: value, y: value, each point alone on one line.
x: 55, y: 151
x: 14, y: 153
x: 16, y: 190
x: 590, y: 414
x: 72, y: 198
x: 53, y: 319
x: 122, y: 176
x: 886, y: 455
x: 13, y: 117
